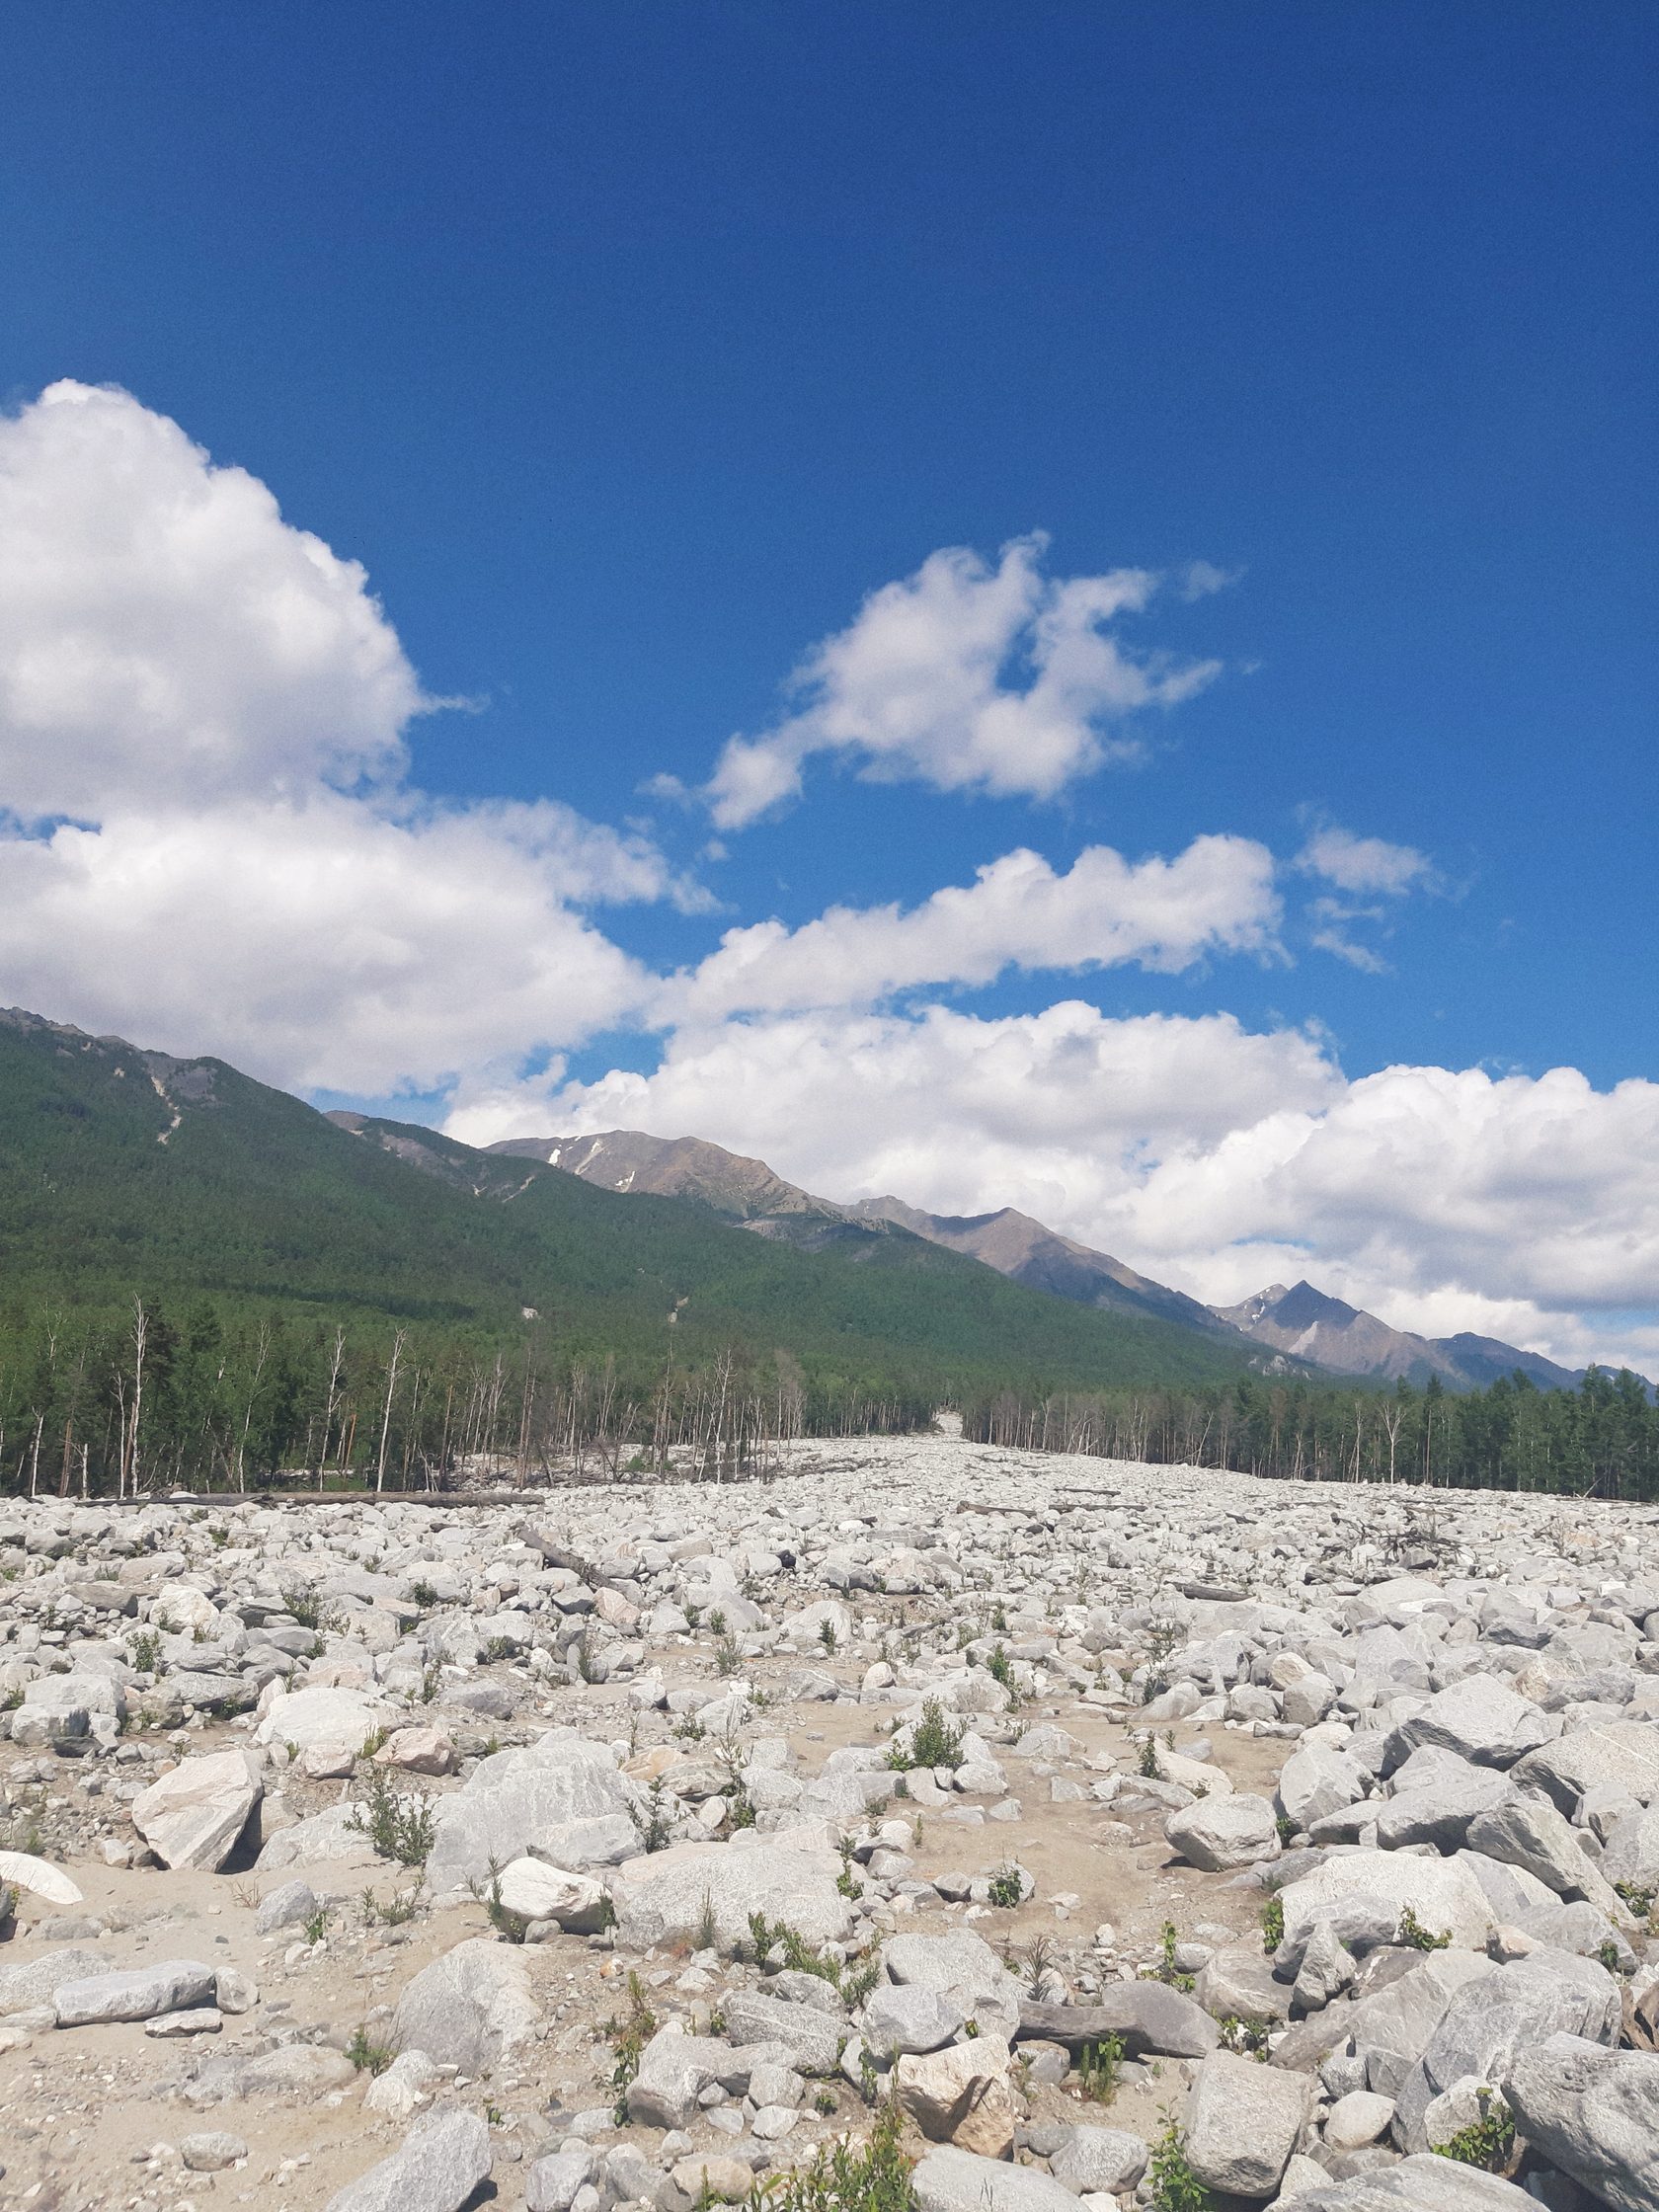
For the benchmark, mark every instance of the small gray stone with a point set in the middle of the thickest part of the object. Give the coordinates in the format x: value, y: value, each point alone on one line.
x: 552, y: 2182
x: 211, y: 2151
x: 289, y: 1905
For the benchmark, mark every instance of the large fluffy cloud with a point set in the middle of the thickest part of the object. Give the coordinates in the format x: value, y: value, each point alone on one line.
x: 164, y: 633
x: 1218, y: 896
x: 1207, y: 1154
x: 201, y: 753
x: 968, y: 678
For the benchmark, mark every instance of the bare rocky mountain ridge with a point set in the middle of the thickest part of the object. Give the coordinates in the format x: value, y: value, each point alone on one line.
x: 1311, y: 1325
x: 1305, y: 1327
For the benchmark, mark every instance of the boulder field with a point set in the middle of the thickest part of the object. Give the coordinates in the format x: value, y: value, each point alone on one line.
x: 1058, y: 1831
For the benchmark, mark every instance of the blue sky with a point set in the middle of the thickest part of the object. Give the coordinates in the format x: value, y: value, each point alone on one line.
x: 629, y: 348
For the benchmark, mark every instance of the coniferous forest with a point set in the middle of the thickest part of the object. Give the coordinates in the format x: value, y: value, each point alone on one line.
x: 207, y: 1285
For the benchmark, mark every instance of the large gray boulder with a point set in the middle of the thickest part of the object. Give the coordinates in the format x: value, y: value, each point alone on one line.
x: 811, y: 2038
x: 1633, y: 1851
x: 1622, y: 1752
x: 1444, y: 1895
x: 296, y: 2071
x: 1099, y: 2161
x: 1318, y: 1779
x: 329, y: 1718
x: 137, y: 1993
x: 951, y: 2181
x: 1146, y: 2017
x: 1535, y: 1837
x: 674, y: 2071
x: 1489, y: 2022
x: 34, y: 1981
x: 962, y: 1967
x: 194, y: 1815
x: 563, y: 1799
x: 667, y: 1896
x: 897, y: 2021
x: 1392, y: 2027
x: 1593, y: 2113
x: 1220, y: 1834
x: 436, y: 2168
x: 1479, y: 1718
x: 1243, y: 2121
x: 1440, y: 1812
x: 468, y: 2009
x: 1428, y: 2183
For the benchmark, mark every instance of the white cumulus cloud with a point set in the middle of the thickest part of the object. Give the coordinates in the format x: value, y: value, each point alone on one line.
x: 1207, y: 1155
x: 1216, y: 896
x: 209, y: 835
x: 968, y: 678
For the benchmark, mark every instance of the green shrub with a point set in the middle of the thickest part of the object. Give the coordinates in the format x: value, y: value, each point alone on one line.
x: 934, y: 1741
x: 1418, y: 1937
x: 397, y: 1830
x: 1099, y: 2067
x: 1487, y: 2142
x: 1175, y: 2187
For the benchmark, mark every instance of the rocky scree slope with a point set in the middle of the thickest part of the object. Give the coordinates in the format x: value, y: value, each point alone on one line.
x: 1133, y: 1836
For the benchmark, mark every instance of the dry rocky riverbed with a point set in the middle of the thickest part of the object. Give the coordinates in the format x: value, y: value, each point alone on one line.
x: 623, y: 1846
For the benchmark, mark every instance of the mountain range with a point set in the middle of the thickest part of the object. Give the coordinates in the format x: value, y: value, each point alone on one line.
x: 1305, y: 1327
x: 121, y: 1167
x: 124, y: 1170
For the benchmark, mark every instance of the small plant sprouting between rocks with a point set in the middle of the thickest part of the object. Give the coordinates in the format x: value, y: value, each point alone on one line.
x: 826, y: 1637
x: 1006, y: 1889
x: 1488, y: 2141
x: 846, y: 1881
x: 145, y: 1648
x: 305, y: 1606
x: 398, y: 1828
x: 769, y: 1936
x: 424, y: 1594
x: 1100, y: 2068
x: 1000, y: 1667
x: 706, y: 1934
x: 846, y: 2177
x: 1163, y: 1640
x: 1273, y: 1925
x: 726, y: 1659
x: 510, y: 1926
x: 628, y: 2037
x: 391, y: 1912
x: 654, y: 1830
x: 1148, y: 1766
x: 367, y: 2057
x: 1166, y: 1970
x: 934, y: 1741
x: 316, y: 1926
x: 1175, y: 2187
x: 1416, y: 1937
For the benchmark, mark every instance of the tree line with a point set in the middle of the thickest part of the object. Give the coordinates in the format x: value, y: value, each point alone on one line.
x: 151, y: 1396
x: 1599, y: 1441
x: 148, y: 1399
